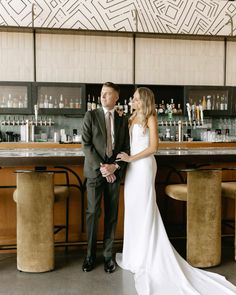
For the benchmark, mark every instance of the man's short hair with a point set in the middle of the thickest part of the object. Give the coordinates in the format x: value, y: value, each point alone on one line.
x: 113, y: 86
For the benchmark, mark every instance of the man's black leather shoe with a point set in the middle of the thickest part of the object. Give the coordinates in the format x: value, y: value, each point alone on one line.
x: 109, y: 265
x: 88, y: 264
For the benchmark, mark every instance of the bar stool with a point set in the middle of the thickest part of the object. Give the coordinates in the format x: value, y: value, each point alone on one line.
x: 177, y: 191
x: 34, y: 197
x: 203, y: 196
x: 229, y: 191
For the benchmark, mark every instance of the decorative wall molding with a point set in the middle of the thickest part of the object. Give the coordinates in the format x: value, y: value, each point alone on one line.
x: 194, y: 17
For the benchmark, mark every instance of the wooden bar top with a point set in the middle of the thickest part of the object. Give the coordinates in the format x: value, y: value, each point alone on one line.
x: 162, y: 145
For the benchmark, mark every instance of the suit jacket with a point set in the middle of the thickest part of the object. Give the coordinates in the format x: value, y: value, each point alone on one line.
x: 94, y: 141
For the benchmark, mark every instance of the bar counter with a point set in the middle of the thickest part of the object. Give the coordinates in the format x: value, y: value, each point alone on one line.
x: 16, y: 156
x: 70, y: 154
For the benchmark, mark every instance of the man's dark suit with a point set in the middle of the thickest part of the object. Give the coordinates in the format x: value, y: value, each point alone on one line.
x: 94, y: 147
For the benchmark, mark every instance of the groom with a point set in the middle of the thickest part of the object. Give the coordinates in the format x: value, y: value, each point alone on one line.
x: 105, y: 134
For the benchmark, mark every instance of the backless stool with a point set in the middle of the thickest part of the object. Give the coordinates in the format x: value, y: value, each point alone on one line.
x: 229, y: 191
x: 203, y: 196
x: 35, y: 235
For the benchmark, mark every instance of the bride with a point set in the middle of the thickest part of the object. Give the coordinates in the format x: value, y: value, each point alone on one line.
x: 147, y: 251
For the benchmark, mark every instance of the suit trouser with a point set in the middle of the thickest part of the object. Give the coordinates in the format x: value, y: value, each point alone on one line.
x: 96, y: 188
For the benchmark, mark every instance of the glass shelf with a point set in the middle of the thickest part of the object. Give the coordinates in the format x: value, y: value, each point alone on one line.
x: 15, y: 97
x: 60, y: 98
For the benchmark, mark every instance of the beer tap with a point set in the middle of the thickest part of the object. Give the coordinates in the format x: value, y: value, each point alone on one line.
x: 36, y: 114
x: 189, y: 112
x: 201, y: 113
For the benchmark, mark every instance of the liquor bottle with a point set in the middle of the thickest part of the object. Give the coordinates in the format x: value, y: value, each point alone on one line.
x: 179, y: 110
x: 15, y: 103
x: 3, y: 102
x: 21, y: 104
x: 56, y: 105
x: 160, y: 109
x: 222, y: 103
x: 98, y: 103
x: 203, y: 103
x: 71, y: 103
x: 50, y: 103
x: 174, y: 111
x: 89, y: 105
x: 10, y: 101
x: 169, y: 112
x: 25, y: 102
x: 217, y: 102
x: 66, y: 103
x: 120, y: 107
x: 94, y: 105
x: 208, y: 104
x: 163, y: 105
x: 77, y: 103
x: 45, y: 104
x: 126, y: 107
x: 41, y: 102
x: 226, y: 104
x: 130, y: 106
x: 213, y: 105
x: 61, y: 102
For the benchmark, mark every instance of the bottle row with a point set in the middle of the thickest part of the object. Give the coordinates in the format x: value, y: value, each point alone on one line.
x: 61, y: 102
x: 126, y: 106
x: 76, y: 99
x: 94, y: 103
x: 211, y: 102
x: 16, y: 101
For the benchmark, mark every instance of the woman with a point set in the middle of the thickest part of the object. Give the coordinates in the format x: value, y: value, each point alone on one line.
x: 147, y: 252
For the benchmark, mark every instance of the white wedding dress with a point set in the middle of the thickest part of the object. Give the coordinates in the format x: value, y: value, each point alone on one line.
x: 147, y: 251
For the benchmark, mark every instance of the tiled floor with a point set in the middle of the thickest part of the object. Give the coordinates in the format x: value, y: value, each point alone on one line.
x: 68, y: 278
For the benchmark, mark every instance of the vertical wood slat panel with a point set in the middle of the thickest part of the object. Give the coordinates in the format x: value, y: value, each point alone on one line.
x: 84, y: 58
x: 179, y: 62
x: 16, y: 56
x: 231, y: 64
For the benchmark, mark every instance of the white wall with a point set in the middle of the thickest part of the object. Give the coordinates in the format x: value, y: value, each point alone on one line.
x: 16, y: 56
x: 179, y: 62
x: 84, y: 58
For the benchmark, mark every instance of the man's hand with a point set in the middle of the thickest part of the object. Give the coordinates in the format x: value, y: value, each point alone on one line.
x: 107, y: 169
x: 111, y: 178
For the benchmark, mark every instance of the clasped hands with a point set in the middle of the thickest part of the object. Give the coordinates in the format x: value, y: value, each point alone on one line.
x: 107, y: 171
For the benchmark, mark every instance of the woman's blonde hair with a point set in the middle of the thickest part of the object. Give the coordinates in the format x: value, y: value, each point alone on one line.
x: 147, y: 105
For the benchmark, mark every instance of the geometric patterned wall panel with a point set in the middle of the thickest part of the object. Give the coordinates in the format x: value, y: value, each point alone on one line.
x: 195, y: 17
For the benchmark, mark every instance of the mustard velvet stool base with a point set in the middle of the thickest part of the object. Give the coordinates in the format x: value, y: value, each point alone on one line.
x: 204, y: 217
x: 35, y: 239
x: 229, y: 191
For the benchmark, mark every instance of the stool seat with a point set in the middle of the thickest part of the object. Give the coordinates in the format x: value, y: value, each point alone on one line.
x: 61, y: 193
x: 177, y: 191
x: 228, y: 189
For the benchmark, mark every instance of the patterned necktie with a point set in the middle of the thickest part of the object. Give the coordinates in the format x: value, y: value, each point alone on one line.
x: 109, y: 139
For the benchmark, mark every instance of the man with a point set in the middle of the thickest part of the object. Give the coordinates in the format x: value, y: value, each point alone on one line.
x: 105, y: 134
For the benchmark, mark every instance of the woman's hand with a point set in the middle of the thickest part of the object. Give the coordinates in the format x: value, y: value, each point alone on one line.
x: 123, y: 157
